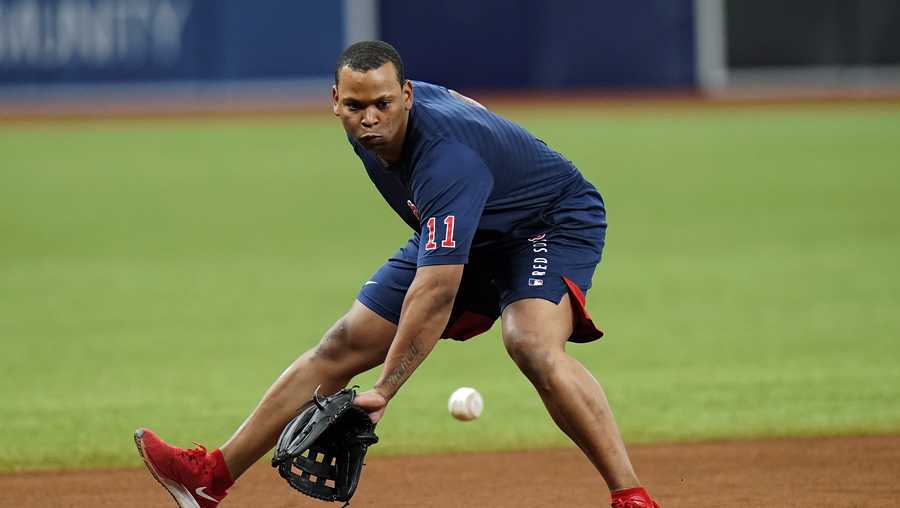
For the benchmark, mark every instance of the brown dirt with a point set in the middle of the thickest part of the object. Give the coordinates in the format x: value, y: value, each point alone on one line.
x: 820, y: 472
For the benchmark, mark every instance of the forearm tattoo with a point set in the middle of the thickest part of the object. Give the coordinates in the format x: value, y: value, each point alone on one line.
x: 398, y: 374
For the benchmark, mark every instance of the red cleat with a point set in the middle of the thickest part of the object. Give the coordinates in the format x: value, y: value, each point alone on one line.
x: 635, y: 497
x: 194, y: 478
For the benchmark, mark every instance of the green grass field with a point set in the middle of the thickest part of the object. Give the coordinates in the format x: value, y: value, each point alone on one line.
x: 163, y: 274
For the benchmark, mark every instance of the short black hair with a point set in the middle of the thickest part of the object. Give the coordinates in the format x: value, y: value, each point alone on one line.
x: 365, y: 56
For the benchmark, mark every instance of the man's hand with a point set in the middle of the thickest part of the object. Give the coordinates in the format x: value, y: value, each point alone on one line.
x: 373, y: 402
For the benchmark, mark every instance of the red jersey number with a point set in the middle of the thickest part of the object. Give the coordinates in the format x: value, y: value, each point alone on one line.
x: 448, y: 241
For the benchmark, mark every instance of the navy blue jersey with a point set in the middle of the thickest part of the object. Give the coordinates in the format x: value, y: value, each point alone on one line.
x: 469, y: 178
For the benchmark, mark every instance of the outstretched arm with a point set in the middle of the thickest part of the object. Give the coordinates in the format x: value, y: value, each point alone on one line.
x: 450, y: 185
x: 426, y: 311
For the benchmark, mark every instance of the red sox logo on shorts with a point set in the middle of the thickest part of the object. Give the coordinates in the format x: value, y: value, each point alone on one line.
x: 539, y: 245
x: 413, y: 209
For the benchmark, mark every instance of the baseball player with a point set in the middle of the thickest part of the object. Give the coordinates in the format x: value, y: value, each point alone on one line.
x: 503, y: 226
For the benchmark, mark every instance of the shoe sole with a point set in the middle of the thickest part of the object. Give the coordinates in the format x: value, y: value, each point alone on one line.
x: 179, y: 492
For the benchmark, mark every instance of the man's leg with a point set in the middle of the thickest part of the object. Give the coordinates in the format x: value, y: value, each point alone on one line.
x: 535, y: 332
x: 356, y: 343
x: 196, y: 478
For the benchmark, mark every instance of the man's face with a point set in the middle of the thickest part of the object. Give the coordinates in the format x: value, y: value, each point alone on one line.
x: 374, y: 108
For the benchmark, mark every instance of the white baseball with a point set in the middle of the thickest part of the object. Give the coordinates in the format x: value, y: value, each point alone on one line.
x: 465, y: 404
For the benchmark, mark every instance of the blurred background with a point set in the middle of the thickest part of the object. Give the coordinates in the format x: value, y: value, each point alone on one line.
x: 162, y: 268
x: 280, y: 54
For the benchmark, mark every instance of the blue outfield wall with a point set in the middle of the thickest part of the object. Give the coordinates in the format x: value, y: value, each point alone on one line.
x: 544, y: 43
x: 92, y: 41
x: 465, y: 43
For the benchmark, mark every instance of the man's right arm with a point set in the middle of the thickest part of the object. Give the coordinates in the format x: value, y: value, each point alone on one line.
x: 425, y: 314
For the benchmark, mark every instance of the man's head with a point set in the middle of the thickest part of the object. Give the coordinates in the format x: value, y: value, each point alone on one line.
x: 372, y: 98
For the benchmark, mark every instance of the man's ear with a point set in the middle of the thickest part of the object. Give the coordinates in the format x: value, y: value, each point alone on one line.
x: 335, y: 107
x: 407, y: 95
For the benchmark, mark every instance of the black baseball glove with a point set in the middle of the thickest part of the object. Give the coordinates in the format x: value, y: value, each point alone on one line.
x: 321, y: 451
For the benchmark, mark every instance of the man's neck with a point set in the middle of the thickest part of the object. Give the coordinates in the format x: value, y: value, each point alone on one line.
x: 391, y: 158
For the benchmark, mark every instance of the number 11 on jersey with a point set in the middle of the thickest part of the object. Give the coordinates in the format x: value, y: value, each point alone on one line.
x: 448, y: 241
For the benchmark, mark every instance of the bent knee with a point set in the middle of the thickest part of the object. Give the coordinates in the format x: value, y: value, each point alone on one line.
x: 344, y: 342
x: 533, y: 352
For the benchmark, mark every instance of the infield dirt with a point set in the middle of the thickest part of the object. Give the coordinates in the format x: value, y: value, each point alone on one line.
x: 819, y: 472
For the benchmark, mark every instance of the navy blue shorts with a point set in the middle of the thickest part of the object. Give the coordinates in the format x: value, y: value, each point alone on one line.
x: 545, y: 266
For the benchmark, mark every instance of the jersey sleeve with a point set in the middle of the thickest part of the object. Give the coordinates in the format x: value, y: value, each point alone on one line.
x: 450, y: 187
